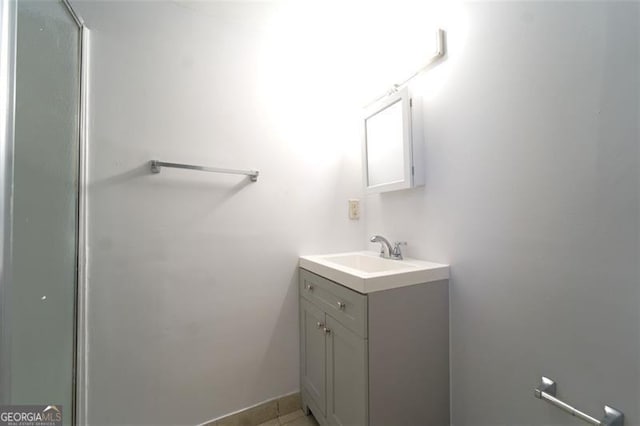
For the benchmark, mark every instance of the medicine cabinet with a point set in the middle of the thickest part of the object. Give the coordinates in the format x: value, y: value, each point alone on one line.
x: 393, y: 143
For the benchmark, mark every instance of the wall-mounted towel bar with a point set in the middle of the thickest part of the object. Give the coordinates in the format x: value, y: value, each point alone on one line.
x: 547, y: 392
x: 156, y: 165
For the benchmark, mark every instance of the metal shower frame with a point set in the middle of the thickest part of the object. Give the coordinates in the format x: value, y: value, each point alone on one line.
x: 8, y: 40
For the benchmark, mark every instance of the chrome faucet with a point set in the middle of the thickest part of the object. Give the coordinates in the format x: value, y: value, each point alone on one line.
x: 383, y: 243
x: 390, y: 253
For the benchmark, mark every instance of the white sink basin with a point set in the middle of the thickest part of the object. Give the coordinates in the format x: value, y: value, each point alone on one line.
x: 367, y: 272
x: 366, y: 263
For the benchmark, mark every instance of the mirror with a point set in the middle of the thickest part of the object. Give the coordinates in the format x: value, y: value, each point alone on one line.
x: 390, y: 143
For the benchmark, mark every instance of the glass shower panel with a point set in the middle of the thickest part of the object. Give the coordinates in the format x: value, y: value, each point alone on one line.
x: 45, y: 206
x: 7, y: 49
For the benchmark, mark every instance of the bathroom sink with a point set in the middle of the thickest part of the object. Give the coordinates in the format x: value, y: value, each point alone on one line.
x: 367, y: 272
x: 366, y: 264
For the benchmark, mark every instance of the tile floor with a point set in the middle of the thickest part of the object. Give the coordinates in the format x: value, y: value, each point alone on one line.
x: 297, y: 418
x: 284, y: 410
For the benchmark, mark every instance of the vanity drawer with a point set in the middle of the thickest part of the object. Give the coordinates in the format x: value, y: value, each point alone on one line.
x: 347, y: 306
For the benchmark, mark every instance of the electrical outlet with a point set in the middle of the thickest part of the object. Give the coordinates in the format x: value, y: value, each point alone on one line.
x: 354, y: 209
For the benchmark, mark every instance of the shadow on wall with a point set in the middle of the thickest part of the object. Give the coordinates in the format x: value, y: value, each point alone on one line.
x: 279, y: 339
x: 139, y: 171
x: 170, y: 194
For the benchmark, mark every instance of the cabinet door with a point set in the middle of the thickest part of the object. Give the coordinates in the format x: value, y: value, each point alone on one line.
x: 347, y: 378
x: 312, y: 353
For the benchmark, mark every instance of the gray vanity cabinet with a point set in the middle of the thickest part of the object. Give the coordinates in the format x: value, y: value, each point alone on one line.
x: 333, y: 348
x: 374, y: 359
x: 333, y: 368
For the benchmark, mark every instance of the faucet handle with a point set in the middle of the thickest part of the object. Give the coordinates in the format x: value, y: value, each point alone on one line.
x: 397, y: 253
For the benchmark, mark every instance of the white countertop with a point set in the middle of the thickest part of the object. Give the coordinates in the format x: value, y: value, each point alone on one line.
x: 367, y: 272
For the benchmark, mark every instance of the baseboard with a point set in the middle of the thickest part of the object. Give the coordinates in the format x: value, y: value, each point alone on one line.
x: 259, y: 413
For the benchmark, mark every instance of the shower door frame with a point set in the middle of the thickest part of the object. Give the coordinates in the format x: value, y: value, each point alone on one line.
x: 80, y: 382
x: 8, y: 41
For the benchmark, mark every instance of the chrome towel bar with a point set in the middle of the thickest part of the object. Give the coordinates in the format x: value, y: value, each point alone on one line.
x: 547, y: 392
x: 156, y: 165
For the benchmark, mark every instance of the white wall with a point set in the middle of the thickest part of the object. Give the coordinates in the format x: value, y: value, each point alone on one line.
x: 193, y: 307
x: 532, y: 196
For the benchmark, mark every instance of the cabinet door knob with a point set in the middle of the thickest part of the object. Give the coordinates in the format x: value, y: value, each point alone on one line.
x: 326, y: 330
x: 341, y: 305
x: 320, y: 325
x: 309, y: 287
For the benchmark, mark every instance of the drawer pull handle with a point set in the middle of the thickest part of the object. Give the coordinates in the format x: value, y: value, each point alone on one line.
x: 320, y: 325
x: 341, y: 305
x: 309, y: 287
x: 326, y: 330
